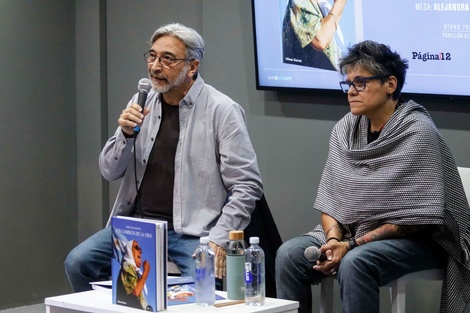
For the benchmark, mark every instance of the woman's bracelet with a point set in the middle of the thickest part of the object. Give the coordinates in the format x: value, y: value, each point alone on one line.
x: 331, y: 238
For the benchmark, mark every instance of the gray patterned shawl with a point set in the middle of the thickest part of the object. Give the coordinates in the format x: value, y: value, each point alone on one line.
x: 405, y: 177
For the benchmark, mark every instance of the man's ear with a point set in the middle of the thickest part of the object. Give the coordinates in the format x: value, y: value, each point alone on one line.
x: 193, y: 68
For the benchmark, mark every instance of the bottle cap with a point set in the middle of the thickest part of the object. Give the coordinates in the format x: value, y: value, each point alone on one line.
x: 235, y: 235
x: 204, y: 240
x: 254, y: 240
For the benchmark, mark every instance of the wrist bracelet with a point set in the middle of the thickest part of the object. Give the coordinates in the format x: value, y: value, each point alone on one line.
x: 337, y: 239
x: 352, y: 243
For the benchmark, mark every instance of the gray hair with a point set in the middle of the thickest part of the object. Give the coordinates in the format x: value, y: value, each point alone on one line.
x: 191, y: 39
x: 378, y: 59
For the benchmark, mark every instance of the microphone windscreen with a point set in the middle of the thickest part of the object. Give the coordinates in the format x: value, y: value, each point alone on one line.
x: 312, y: 253
x: 144, y: 85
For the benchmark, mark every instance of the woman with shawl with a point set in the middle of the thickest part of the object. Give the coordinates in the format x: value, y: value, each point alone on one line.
x: 131, y: 280
x: 390, y: 196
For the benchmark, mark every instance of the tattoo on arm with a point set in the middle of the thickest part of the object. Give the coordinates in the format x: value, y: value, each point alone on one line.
x: 335, y: 227
x: 388, y: 231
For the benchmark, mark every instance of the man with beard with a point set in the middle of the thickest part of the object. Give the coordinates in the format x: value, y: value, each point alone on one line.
x: 194, y: 165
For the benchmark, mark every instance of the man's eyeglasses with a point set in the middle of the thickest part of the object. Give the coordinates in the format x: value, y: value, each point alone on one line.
x: 166, y: 61
x: 359, y: 83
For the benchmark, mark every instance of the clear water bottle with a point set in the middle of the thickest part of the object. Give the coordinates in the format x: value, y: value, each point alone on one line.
x: 236, y: 265
x: 205, y: 278
x: 255, y: 289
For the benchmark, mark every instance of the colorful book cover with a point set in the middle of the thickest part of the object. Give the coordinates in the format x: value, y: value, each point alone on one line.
x: 139, y: 273
x: 182, y: 290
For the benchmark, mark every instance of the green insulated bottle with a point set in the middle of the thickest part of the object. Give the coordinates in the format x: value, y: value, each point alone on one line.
x: 236, y: 266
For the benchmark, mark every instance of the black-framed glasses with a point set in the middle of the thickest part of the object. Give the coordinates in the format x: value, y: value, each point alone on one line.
x: 166, y: 61
x: 138, y: 248
x: 359, y: 83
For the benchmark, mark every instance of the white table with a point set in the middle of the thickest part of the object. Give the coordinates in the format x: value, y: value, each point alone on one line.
x: 97, y: 301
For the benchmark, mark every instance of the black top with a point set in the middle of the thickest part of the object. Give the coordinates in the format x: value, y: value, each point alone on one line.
x: 156, y: 190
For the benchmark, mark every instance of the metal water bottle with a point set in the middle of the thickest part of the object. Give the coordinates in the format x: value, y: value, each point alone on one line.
x: 236, y: 266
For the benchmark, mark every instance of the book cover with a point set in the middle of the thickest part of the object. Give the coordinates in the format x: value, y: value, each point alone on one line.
x: 139, y: 273
x: 182, y: 290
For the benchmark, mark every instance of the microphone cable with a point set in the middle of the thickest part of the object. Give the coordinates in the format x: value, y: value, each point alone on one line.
x: 137, y: 207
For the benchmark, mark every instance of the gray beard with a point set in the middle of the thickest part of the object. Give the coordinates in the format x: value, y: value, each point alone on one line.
x: 172, y: 84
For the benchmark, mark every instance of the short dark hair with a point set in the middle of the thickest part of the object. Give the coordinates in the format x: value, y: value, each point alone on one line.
x: 378, y: 59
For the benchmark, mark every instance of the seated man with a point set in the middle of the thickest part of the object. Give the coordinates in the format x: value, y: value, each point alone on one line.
x: 192, y: 162
x: 390, y: 197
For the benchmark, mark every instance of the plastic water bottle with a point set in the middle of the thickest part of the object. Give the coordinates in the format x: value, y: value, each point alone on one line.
x: 236, y: 265
x: 205, y: 278
x: 255, y: 289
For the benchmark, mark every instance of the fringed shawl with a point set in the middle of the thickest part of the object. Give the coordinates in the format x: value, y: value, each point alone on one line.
x: 407, y: 176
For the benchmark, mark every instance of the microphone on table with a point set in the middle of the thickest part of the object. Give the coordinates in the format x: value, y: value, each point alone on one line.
x: 313, y: 254
x: 144, y: 87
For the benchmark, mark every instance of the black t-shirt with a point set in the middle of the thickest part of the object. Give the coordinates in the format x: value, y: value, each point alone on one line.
x: 156, y: 190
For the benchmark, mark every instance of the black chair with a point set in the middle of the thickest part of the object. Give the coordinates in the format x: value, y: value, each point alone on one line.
x: 262, y: 225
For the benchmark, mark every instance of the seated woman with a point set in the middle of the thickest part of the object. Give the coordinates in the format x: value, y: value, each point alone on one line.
x: 390, y: 196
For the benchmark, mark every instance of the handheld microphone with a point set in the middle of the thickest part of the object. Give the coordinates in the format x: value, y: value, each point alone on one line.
x: 144, y: 87
x: 313, y: 254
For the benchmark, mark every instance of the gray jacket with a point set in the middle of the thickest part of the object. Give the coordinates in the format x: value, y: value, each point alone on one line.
x: 217, y: 179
